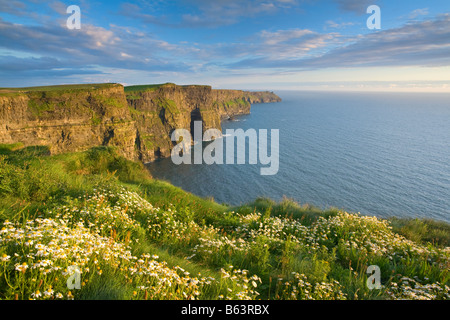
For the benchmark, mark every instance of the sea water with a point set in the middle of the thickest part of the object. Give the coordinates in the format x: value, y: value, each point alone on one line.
x: 383, y: 154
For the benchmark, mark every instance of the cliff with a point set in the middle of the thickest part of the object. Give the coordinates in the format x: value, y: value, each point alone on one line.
x: 137, y: 120
x: 68, y: 118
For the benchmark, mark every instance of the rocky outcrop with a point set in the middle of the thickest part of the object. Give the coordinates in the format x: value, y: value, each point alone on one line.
x: 261, y: 97
x: 138, y: 120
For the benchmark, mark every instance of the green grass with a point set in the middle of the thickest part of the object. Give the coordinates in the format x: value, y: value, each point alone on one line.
x: 108, y: 101
x: 133, y: 97
x: 7, y: 148
x: 282, y: 250
x: 195, y: 86
x: 288, y: 208
x: 152, y: 87
x: 58, y: 88
x: 423, y: 230
x: 38, y: 107
x: 168, y: 105
x: 95, y: 119
x: 234, y: 102
x: 145, y: 87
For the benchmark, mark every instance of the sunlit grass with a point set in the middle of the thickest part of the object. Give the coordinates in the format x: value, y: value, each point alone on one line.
x: 133, y: 237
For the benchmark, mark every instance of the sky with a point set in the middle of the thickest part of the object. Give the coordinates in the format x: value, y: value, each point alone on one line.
x: 229, y: 44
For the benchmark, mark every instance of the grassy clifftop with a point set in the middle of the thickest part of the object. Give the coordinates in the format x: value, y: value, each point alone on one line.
x: 137, y: 120
x: 133, y: 237
x: 57, y: 88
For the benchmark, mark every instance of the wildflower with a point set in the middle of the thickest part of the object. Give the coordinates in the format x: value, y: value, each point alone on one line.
x: 48, y: 292
x: 36, y: 294
x: 21, y: 267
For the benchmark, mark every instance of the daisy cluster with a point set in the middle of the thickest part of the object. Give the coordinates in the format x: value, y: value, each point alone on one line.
x: 94, y: 233
x: 97, y: 234
x: 302, y: 289
x: 411, y: 289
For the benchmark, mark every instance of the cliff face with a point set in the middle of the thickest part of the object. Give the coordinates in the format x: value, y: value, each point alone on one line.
x: 68, y: 119
x: 138, y: 120
x: 159, y: 111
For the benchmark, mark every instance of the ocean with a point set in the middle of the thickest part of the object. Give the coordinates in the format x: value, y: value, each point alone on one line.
x: 382, y: 154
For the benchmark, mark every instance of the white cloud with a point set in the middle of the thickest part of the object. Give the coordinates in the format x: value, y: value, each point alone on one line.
x: 125, y: 55
x: 424, y: 43
x: 207, y: 13
x: 59, y: 7
x: 13, y: 7
x: 357, y: 6
x: 337, y: 25
x: 418, y: 12
x: 280, y: 36
x: 91, y: 46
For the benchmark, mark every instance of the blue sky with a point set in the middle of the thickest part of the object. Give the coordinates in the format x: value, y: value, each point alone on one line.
x: 252, y: 44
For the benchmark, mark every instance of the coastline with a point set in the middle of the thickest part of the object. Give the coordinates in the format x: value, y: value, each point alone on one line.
x: 137, y: 120
x: 157, y: 229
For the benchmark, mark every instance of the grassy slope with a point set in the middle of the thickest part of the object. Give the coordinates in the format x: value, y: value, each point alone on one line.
x: 295, y: 251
